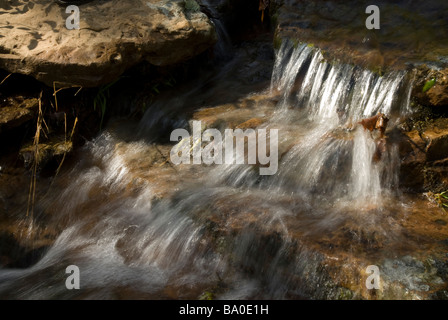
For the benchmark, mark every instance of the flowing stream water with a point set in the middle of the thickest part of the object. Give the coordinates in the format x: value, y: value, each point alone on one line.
x: 139, y: 228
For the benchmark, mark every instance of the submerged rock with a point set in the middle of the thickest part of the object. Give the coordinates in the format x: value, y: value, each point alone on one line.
x: 339, y: 28
x: 113, y: 36
x: 329, y: 260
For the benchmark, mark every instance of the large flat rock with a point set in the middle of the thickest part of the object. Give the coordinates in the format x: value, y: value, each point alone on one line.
x: 411, y: 32
x: 113, y: 36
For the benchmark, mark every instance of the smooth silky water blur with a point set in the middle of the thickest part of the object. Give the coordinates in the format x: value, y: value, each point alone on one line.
x: 213, y: 227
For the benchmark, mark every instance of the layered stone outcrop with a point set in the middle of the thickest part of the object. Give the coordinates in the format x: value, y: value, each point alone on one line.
x: 113, y: 36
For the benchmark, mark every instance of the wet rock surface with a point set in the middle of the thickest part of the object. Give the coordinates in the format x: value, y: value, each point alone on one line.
x: 410, y: 32
x: 331, y: 263
x: 16, y: 111
x: 435, y: 94
x: 425, y: 153
x: 113, y: 36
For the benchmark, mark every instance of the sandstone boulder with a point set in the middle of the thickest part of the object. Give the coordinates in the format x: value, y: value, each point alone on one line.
x: 114, y: 35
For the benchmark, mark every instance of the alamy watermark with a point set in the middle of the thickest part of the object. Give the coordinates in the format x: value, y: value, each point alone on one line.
x: 373, y: 280
x: 373, y: 21
x: 73, y: 280
x: 221, y: 150
x: 72, y: 22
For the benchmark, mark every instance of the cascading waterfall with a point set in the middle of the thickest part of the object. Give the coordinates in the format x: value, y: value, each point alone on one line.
x: 336, y: 155
x: 133, y: 244
x: 218, y: 225
x: 365, y: 176
x: 328, y: 87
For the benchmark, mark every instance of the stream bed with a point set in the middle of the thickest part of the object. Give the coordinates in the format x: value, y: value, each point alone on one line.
x: 139, y: 227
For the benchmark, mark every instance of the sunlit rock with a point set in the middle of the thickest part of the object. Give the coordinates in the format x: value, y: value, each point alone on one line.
x: 113, y: 36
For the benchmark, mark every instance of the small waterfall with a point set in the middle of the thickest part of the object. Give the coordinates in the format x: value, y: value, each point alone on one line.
x: 262, y: 237
x: 329, y: 87
x: 336, y: 157
x: 365, y: 181
x: 223, y: 47
x: 287, y: 67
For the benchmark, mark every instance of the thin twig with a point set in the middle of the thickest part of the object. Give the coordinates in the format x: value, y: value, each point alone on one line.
x: 5, y: 78
x: 80, y: 88
x: 63, y: 88
x: 32, y: 191
x: 55, y: 95
x: 65, y: 153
